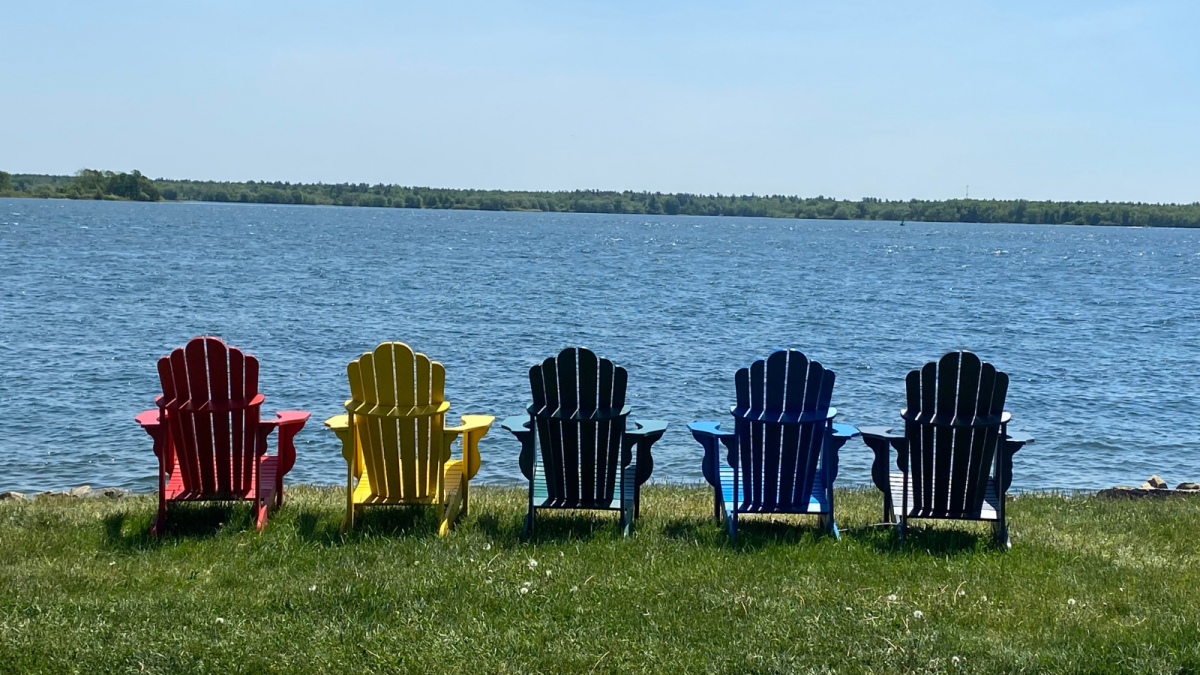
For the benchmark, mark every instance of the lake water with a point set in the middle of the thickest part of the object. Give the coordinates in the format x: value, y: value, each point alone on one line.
x: 1099, y: 328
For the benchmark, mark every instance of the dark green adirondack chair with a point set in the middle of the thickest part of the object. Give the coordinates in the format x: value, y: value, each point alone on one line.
x: 587, y: 458
x: 955, y: 455
x: 782, y: 453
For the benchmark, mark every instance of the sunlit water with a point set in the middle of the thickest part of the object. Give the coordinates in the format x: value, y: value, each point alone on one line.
x: 1099, y: 328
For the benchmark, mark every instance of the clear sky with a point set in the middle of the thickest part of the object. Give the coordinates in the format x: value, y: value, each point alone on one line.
x: 1088, y: 100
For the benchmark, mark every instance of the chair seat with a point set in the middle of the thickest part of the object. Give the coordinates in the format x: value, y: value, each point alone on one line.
x: 363, y: 494
x: 542, y: 499
x: 177, y: 492
x: 988, y: 512
x: 817, y: 503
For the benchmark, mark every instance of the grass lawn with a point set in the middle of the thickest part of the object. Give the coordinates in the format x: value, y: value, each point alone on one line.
x: 1090, y: 586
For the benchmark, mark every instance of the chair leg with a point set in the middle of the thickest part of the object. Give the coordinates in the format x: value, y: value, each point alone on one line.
x: 829, y: 525
x: 263, y: 508
x: 1000, y: 534
x: 902, y: 527
x: 527, y: 530
x: 159, y: 526
x: 731, y: 523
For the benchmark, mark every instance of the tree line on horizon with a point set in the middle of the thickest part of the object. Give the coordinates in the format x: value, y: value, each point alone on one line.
x: 93, y: 184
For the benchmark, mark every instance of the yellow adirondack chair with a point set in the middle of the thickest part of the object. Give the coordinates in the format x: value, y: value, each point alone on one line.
x: 400, y: 453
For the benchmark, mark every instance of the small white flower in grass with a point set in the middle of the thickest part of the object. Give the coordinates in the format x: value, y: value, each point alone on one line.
x: 574, y: 588
x: 985, y: 598
x: 961, y: 592
x: 532, y: 563
x: 220, y: 620
x: 487, y: 547
x: 955, y: 660
x: 1070, y: 602
x: 892, y: 597
x: 918, y: 614
x: 547, y: 572
x: 524, y: 590
x: 313, y: 587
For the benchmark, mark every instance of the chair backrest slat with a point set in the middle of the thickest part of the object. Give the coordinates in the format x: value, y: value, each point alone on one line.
x: 952, y: 428
x: 579, y: 412
x: 779, y: 450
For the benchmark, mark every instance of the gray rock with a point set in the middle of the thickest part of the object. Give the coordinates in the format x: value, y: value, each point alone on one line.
x: 110, y: 492
x: 11, y: 495
x: 1154, y: 483
x: 81, y: 491
x: 1188, y: 486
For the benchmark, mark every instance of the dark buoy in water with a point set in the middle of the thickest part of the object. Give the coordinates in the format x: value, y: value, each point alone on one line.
x: 901, y: 223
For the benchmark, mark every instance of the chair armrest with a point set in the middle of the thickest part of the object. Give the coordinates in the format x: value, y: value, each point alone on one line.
x: 473, y: 428
x: 289, y: 423
x: 1012, y: 444
x: 845, y: 431
x: 517, y: 424
x: 707, y: 434
x: 646, y: 434
x: 340, y: 425
x: 839, y: 435
x: 881, y: 440
x: 879, y: 432
x: 520, y: 426
x: 148, y: 419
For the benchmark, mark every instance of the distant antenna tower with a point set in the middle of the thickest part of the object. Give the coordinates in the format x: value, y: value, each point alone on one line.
x: 968, y: 192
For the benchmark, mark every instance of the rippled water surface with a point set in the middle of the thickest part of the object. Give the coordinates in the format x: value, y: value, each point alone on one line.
x: 1099, y: 328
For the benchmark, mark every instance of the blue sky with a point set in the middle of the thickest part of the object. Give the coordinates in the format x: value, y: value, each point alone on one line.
x: 1040, y: 100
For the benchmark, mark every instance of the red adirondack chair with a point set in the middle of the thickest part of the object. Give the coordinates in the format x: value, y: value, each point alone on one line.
x: 211, y: 444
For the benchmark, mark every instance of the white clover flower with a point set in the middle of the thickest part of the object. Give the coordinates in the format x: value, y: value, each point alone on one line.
x: 1071, y: 602
x: 524, y: 590
x: 487, y: 546
x: 532, y: 563
x: 313, y: 587
x: 220, y: 620
x: 892, y: 597
x: 547, y: 572
x: 574, y: 588
x: 918, y: 614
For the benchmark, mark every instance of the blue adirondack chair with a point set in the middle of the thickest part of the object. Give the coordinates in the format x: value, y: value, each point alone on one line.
x: 955, y: 455
x: 588, y: 459
x: 783, y: 449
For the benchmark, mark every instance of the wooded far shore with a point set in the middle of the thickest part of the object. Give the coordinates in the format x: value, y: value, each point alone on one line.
x: 93, y: 184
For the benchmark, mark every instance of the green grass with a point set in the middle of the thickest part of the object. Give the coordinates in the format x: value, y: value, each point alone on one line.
x: 1090, y: 586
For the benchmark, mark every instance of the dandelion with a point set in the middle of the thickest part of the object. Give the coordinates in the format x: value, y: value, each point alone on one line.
x: 918, y: 614
x: 1071, y: 602
x: 524, y: 590
x: 532, y: 563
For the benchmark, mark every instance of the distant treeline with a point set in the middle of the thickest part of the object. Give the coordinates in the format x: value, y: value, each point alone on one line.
x: 91, y: 184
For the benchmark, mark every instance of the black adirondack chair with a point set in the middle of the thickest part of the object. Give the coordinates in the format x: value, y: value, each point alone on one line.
x: 955, y: 455
x: 783, y: 451
x: 588, y: 459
